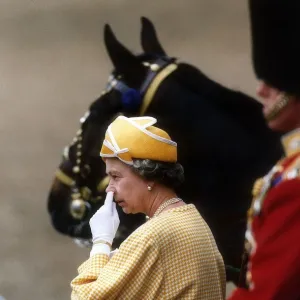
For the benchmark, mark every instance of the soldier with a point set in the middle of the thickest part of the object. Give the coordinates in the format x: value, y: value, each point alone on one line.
x: 272, y: 237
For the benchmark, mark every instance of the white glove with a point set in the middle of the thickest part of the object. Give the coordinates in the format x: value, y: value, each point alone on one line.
x: 105, y: 222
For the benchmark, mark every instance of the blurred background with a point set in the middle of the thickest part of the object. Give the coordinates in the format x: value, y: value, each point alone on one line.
x: 52, y: 66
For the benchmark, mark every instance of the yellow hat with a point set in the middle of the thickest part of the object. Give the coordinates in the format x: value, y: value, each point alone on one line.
x: 128, y: 138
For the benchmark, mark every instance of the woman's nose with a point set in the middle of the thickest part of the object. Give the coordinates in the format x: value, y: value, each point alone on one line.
x: 110, y: 188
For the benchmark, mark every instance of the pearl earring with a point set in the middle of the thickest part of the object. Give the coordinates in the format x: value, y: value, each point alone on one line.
x: 149, y: 188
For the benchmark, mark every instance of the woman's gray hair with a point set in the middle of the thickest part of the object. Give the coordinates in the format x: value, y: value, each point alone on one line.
x: 168, y: 174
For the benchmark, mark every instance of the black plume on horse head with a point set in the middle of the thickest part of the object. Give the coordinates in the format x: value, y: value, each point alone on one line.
x: 223, y: 141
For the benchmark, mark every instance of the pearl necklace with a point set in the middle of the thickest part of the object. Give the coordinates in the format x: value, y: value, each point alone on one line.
x: 164, y: 205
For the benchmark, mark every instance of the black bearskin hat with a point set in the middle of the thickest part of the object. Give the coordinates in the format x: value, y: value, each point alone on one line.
x: 275, y: 29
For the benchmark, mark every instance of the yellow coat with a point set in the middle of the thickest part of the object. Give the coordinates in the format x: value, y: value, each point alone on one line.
x: 172, y: 256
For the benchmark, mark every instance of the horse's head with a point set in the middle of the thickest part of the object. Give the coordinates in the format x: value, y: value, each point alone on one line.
x: 130, y: 89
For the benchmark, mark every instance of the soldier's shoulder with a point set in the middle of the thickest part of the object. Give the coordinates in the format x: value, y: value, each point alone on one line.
x: 291, y: 145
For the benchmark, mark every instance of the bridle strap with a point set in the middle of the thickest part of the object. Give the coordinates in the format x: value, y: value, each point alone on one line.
x: 154, y: 85
x: 64, y: 178
x: 68, y: 181
x: 158, y: 71
x: 154, y: 68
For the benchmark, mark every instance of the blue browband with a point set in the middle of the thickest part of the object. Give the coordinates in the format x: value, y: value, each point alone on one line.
x: 132, y: 98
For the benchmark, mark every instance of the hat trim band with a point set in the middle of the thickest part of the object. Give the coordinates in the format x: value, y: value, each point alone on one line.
x: 154, y: 136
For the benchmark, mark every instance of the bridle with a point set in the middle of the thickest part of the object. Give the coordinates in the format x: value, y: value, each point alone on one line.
x: 158, y: 71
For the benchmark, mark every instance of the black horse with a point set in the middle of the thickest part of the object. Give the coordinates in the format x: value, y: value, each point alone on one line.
x: 223, y: 143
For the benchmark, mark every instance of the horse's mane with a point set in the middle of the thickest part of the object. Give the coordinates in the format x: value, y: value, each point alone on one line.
x: 239, y: 105
x: 242, y: 109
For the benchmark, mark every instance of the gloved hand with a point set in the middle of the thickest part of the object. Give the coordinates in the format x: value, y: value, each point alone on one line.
x: 105, y: 222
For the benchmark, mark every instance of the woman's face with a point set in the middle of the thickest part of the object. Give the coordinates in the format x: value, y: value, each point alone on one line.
x: 130, y: 189
x: 288, y: 117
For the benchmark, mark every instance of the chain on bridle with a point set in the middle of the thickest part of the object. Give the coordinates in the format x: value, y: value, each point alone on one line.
x: 81, y: 194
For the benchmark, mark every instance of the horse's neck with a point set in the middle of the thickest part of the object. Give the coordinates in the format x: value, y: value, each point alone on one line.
x: 198, y: 111
x: 242, y: 109
x: 230, y: 100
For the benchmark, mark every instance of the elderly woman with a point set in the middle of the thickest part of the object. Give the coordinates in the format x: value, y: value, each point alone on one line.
x: 171, y: 256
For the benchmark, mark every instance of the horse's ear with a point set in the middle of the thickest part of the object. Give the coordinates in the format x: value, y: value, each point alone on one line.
x: 149, y: 40
x: 124, y: 61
